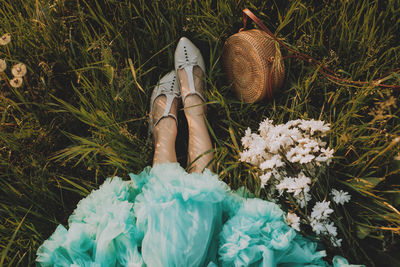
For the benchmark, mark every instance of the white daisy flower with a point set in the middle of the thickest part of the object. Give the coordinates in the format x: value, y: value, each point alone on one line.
x: 340, y: 197
x: 293, y: 221
x: 314, y: 126
x: 331, y: 228
x: 265, y: 178
x: 336, y: 242
x: 285, y: 184
x: 317, y: 226
x: 19, y: 70
x: 298, y: 185
x: 306, y: 159
x: 5, y: 39
x: 293, y: 123
x: 265, y: 126
x: 274, y: 162
x: 303, y: 198
x: 321, y: 210
x: 246, y: 139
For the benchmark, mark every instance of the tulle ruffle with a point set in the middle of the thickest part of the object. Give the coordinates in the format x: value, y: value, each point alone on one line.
x: 167, y: 217
x: 180, y: 214
x: 258, y: 236
x: 102, y: 231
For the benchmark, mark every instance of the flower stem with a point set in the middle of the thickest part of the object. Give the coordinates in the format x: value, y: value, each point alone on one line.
x: 5, y: 78
x: 29, y: 88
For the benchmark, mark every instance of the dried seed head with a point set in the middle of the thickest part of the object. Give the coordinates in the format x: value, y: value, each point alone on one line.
x: 5, y: 39
x: 16, y: 82
x: 19, y: 70
x: 3, y: 65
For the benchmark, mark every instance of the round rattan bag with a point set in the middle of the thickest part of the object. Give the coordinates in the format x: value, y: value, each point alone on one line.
x: 253, y: 65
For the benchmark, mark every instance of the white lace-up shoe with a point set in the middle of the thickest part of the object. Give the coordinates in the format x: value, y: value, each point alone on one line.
x: 187, y: 55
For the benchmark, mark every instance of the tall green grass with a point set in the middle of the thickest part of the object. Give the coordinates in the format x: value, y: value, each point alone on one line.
x: 92, y: 65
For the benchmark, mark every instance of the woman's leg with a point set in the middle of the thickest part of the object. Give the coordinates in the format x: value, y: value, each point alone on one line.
x: 165, y: 131
x: 195, y: 112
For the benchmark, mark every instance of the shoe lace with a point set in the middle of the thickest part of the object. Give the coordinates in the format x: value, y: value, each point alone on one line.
x: 169, y: 88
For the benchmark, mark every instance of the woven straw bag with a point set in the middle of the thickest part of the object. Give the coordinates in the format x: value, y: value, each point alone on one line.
x: 253, y: 64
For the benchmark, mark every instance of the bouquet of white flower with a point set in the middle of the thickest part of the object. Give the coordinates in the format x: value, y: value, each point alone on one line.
x: 291, y: 157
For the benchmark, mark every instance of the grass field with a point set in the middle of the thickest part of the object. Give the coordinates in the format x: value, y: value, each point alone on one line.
x: 81, y: 114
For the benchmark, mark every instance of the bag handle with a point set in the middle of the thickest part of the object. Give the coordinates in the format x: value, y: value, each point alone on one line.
x: 320, y: 67
x: 248, y: 13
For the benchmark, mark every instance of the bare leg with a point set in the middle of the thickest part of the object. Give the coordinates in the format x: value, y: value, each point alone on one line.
x: 164, y: 132
x: 195, y: 110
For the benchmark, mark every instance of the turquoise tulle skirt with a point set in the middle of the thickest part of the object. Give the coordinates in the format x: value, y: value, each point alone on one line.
x: 167, y: 217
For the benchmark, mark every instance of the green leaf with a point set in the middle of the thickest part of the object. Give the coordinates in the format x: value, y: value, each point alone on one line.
x: 362, y: 231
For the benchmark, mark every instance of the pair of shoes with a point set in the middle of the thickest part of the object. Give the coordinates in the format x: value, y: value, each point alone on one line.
x: 187, y: 56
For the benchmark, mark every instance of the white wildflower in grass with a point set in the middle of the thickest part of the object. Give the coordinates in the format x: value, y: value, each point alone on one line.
x: 294, y: 185
x: 3, y: 65
x: 293, y: 221
x: 286, y: 185
x: 321, y: 210
x: 5, y: 39
x: 19, y: 70
x: 340, y: 197
x: 303, y: 198
x: 331, y: 228
x: 246, y: 139
x: 321, y: 143
x: 325, y: 156
x: 336, y: 242
x: 16, y: 82
x: 271, y: 163
x: 265, y: 178
x: 264, y: 127
x: 293, y: 123
x: 327, y: 228
x: 322, y: 225
x: 314, y: 126
x: 318, y: 227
